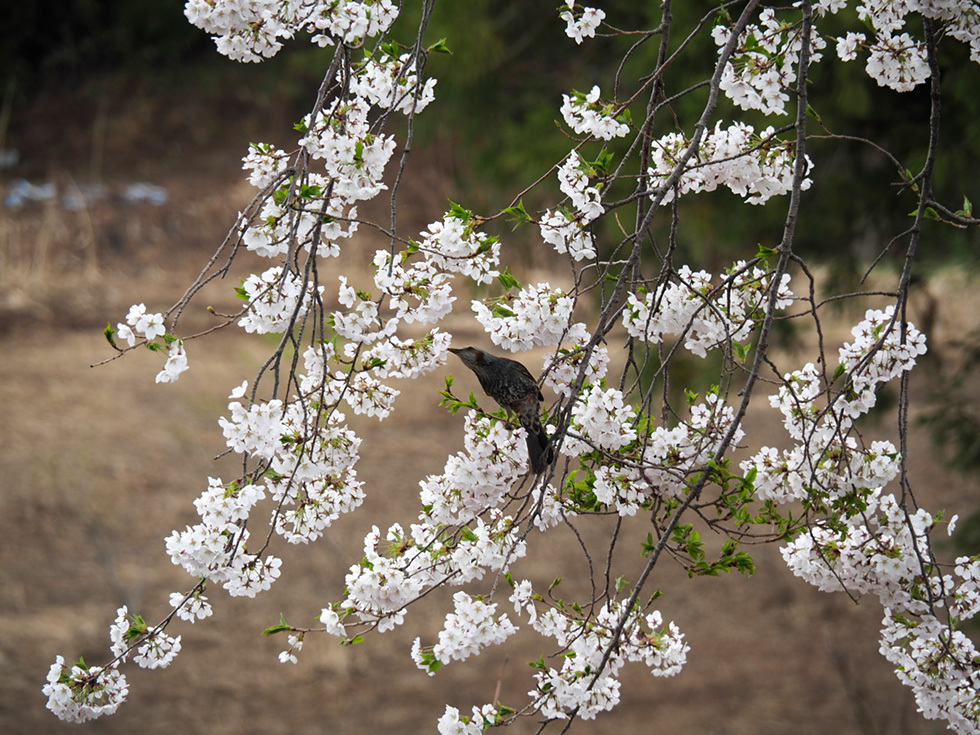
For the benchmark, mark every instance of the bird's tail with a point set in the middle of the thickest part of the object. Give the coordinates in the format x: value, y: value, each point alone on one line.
x: 539, y: 448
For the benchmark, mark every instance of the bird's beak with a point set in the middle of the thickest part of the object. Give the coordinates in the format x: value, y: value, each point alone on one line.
x: 454, y: 350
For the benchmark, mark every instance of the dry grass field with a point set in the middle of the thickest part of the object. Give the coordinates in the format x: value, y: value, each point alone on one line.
x: 98, y: 465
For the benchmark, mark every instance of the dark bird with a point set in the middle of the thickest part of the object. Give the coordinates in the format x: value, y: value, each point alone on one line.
x: 513, y: 387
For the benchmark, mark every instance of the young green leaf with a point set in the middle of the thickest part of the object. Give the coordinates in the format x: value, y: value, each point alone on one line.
x: 110, y: 334
x: 281, y: 627
x: 508, y: 281
x: 439, y: 47
x: 520, y: 215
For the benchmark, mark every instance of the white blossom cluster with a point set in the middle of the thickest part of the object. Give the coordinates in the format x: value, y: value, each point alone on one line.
x: 154, y: 648
x: 265, y: 165
x: 644, y: 639
x: 192, y: 607
x: 578, y: 686
x: 880, y: 352
x: 295, y: 645
x: 564, y: 229
x: 604, y: 421
x: 588, y: 114
x: 274, y: 300
x: 461, y: 535
x: 80, y: 693
x: 670, y: 454
x: 251, y: 30
x: 353, y: 156
x: 478, y: 478
x: 455, y: 246
x: 580, y: 23
x: 538, y: 315
x: 321, y: 209
x: 567, y: 233
x: 896, y: 59
x: 409, y: 359
x: 215, y: 547
x: 665, y: 457
x: 453, y: 723
x: 864, y: 539
x: 561, y: 369
x: 148, y: 327
x: 271, y: 234
x: 176, y: 363
x: 574, y: 181
x: 361, y: 321
x: 471, y: 627
x: 392, y: 83
x: 396, y: 572
x: 708, y: 317
x: 878, y: 551
x: 139, y: 322
x: 938, y: 664
x: 764, y: 64
x: 755, y: 166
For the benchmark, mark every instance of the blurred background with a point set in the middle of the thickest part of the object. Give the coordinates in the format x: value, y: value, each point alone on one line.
x: 121, y: 134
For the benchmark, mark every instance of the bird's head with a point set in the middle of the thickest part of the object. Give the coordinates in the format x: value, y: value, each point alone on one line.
x: 470, y: 356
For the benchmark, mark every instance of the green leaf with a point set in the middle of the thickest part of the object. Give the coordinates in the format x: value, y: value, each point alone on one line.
x: 486, y: 245
x: 439, y: 47
x: 600, y: 167
x: 741, y: 351
x: 281, y: 627
x: 649, y: 545
x: 839, y: 371
x: 309, y: 191
x: 109, y: 334
x: 928, y: 213
x: 765, y: 252
x: 508, y: 281
x: 539, y: 664
x: 459, y: 212
x: 520, y: 215
x: 280, y: 194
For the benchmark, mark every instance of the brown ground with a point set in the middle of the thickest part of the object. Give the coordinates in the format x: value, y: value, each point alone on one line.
x: 97, y: 466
